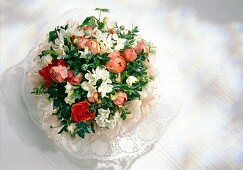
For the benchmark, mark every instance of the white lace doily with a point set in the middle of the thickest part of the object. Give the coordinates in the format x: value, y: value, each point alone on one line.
x: 131, y: 144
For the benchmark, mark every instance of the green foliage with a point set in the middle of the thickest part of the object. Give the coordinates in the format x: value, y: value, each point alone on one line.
x: 83, y: 128
x: 130, y: 35
x: 39, y: 90
x: 102, y: 9
x: 89, y: 21
x: 51, y: 52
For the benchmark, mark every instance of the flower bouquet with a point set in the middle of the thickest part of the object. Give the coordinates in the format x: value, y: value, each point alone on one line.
x: 92, y: 84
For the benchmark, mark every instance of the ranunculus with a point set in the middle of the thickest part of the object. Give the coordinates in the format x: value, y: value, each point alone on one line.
x: 81, y: 112
x: 45, y: 71
x: 129, y: 55
x: 79, y: 41
x: 117, y: 63
x: 120, y: 98
x: 94, y: 98
x: 59, y: 73
x: 92, y: 45
x: 74, y: 80
x: 140, y: 47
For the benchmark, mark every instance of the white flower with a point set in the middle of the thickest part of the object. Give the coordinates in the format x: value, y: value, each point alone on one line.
x: 84, y: 53
x: 131, y: 79
x: 69, y: 90
x: 105, y: 38
x: 102, y: 73
x: 70, y: 99
x: 72, y: 29
x: 71, y: 128
x: 120, y: 44
x: 105, y: 87
x: 45, y: 60
x: 92, y: 78
x: 89, y: 87
x: 103, y: 120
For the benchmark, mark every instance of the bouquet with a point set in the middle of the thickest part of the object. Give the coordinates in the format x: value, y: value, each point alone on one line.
x: 91, y: 73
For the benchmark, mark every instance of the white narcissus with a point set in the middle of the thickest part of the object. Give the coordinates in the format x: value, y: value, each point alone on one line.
x: 131, y: 79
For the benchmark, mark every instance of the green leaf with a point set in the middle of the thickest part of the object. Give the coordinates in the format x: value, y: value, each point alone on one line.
x: 89, y: 21
x: 39, y: 90
x: 53, y: 36
x: 49, y: 52
x: 83, y: 128
x: 102, y: 9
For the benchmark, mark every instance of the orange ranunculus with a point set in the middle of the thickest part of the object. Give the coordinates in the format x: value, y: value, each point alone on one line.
x: 117, y: 63
x: 92, y: 45
x: 129, y: 55
x: 140, y: 47
x: 120, y: 98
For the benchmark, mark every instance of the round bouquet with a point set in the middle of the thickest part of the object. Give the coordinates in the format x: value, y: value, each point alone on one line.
x: 92, y: 84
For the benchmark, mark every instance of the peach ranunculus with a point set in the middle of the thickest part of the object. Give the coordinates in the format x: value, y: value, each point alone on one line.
x: 129, y: 55
x: 79, y: 41
x: 140, y: 47
x: 117, y: 63
x: 59, y: 73
x: 94, y: 98
x: 74, y: 80
x: 120, y: 98
x: 92, y: 45
x: 82, y: 42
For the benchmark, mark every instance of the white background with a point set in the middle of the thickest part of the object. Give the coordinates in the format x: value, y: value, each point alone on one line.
x: 204, y: 38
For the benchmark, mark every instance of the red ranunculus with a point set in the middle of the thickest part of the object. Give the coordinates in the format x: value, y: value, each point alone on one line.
x: 59, y: 73
x: 45, y: 71
x: 81, y: 112
x: 74, y: 80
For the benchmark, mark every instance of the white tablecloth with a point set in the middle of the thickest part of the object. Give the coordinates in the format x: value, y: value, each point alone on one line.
x: 206, y: 45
